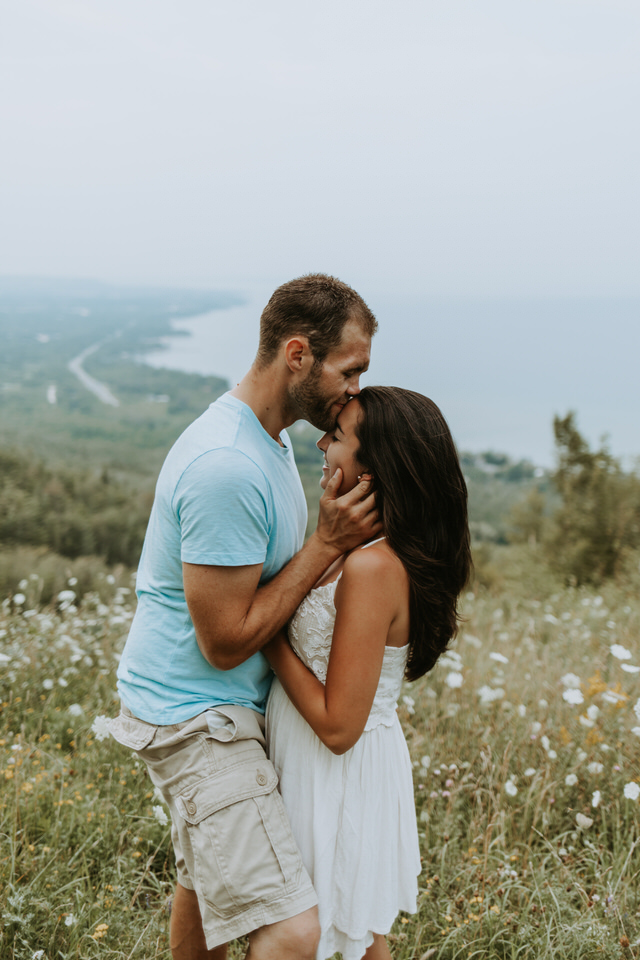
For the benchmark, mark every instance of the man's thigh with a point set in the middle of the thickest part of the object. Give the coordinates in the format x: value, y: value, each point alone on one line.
x: 230, y: 831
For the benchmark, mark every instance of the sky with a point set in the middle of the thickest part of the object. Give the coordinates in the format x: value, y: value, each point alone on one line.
x: 440, y: 147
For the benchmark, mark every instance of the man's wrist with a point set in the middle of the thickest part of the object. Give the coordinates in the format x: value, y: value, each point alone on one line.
x: 324, y: 551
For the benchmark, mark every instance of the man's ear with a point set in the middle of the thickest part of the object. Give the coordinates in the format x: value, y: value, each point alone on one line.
x: 297, y: 354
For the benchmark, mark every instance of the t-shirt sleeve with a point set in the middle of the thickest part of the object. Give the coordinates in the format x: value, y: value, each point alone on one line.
x: 221, y: 506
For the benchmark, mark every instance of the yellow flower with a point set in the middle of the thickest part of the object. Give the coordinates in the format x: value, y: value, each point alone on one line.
x: 596, y: 684
x: 100, y: 931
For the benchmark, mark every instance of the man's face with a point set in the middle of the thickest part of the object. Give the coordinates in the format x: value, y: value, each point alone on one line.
x: 328, y: 386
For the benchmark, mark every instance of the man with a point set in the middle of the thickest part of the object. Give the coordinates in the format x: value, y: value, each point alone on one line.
x: 222, y: 569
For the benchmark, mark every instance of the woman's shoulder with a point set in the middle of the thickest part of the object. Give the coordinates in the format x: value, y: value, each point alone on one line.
x: 376, y: 561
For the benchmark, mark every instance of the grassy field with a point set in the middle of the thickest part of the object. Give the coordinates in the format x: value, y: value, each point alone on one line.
x: 525, y: 744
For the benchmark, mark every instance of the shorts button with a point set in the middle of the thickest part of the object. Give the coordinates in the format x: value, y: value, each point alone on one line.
x: 262, y: 779
x: 191, y: 807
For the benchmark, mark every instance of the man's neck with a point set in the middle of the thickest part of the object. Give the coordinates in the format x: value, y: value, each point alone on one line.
x: 263, y: 390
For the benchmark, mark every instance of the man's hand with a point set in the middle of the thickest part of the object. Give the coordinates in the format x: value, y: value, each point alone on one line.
x: 347, y: 521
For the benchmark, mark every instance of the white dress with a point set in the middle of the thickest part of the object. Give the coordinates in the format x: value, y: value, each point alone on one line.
x: 353, y: 815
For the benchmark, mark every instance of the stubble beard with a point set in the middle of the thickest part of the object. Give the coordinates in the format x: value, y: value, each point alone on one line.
x: 313, y: 404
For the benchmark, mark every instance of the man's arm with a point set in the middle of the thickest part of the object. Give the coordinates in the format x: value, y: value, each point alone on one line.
x: 234, y: 616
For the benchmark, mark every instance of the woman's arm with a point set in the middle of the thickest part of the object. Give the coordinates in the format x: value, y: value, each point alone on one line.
x: 367, y: 600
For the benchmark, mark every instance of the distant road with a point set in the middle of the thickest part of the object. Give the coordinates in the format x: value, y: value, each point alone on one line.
x: 101, y: 391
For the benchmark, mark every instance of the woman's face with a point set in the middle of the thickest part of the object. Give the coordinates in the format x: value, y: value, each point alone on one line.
x: 340, y: 448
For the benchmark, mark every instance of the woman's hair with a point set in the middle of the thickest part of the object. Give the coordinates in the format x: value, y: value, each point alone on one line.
x: 422, y: 498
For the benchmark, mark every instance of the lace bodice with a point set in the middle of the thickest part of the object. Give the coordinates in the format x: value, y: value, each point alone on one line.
x: 311, y: 633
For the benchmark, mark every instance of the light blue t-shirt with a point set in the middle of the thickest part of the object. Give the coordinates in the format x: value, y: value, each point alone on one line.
x: 227, y: 495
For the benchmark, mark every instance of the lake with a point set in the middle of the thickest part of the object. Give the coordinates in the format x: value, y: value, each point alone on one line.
x: 499, y: 368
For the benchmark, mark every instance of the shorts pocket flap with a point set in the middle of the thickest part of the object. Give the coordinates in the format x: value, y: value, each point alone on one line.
x: 131, y: 732
x: 242, y: 781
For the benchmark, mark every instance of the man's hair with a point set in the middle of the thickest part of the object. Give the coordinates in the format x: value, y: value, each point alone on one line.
x: 316, y: 306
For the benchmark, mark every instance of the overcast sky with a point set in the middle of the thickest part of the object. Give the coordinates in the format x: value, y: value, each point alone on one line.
x: 453, y: 147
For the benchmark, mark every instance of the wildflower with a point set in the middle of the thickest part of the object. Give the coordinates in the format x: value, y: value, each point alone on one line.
x: 66, y: 596
x: 410, y: 704
x: 635, y: 731
x: 47, y: 684
x: 595, y: 799
x: 530, y: 772
x: 632, y: 790
x: 593, y: 711
x: 543, y: 704
x: 636, y: 709
x: 573, y: 696
x: 72, y: 581
x: 425, y: 762
x: 69, y: 920
x: 19, y: 599
x: 160, y: 815
x: 510, y: 788
x: 583, y: 822
x: 100, y: 728
x: 489, y: 694
x: 38, y: 955
x: 100, y: 931
x: 75, y: 710
x: 571, y: 681
x: 546, y: 743
x: 581, y: 755
x: 498, y: 657
x: 620, y: 652
x: 571, y: 780
x: 62, y: 682
x: 615, y: 696
x: 536, y: 727
x: 595, y: 767
x: 454, y: 680
x: 629, y: 668
x: 473, y: 641
x: 552, y: 754
x: 522, y: 710
x: 549, y: 618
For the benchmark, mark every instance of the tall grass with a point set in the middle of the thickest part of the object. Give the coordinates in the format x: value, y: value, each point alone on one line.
x: 529, y: 844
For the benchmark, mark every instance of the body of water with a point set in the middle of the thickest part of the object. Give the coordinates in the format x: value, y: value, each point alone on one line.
x: 499, y: 369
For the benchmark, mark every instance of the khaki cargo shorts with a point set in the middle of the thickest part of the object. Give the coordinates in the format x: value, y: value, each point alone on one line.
x: 230, y: 831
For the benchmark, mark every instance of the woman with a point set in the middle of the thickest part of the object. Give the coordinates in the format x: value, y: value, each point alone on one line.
x: 385, y: 611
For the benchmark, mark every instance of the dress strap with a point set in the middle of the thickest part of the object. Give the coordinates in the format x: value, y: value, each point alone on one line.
x: 371, y: 543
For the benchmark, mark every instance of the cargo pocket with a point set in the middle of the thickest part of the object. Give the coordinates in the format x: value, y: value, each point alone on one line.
x: 243, y: 849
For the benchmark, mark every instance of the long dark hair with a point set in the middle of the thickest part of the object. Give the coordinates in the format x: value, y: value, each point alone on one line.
x: 422, y: 498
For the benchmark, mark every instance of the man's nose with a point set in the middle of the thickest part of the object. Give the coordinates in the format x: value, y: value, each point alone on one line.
x: 323, y: 443
x: 354, y: 387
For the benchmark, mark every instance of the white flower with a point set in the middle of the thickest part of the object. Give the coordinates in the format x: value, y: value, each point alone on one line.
x: 620, y: 652
x: 636, y: 731
x: 581, y: 755
x: 72, y: 582
x: 612, y: 696
x: 425, y: 762
x: 66, y: 596
x: 571, y: 779
x: 595, y: 799
x: 636, y: 709
x: 510, y: 788
x: 473, y: 641
x: 498, y: 657
x: 571, y: 681
x: 75, y: 710
x: 522, y: 710
x: 549, y: 618
x: 583, y: 822
x: 454, y: 680
x: 593, y: 711
x: 62, y: 682
x: 489, y: 694
x: 160, y: 815
x: 543, y: 704
x: 100, y: 728
x: 47, y: 684
x: 552, y: 755
x: 38, y: 955
x: 573, y: 696
x: 629, y: 668
x: 546, y: 743
x: 19, y: 599
x: 530, y: 772
x: 69, y: 920
x: 4, y: 658
x: 595, y: 767
x: 536, y: 727
x: 632, y: 790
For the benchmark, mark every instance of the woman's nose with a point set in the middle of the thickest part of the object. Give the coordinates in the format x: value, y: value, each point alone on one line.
x: 323, y: 443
